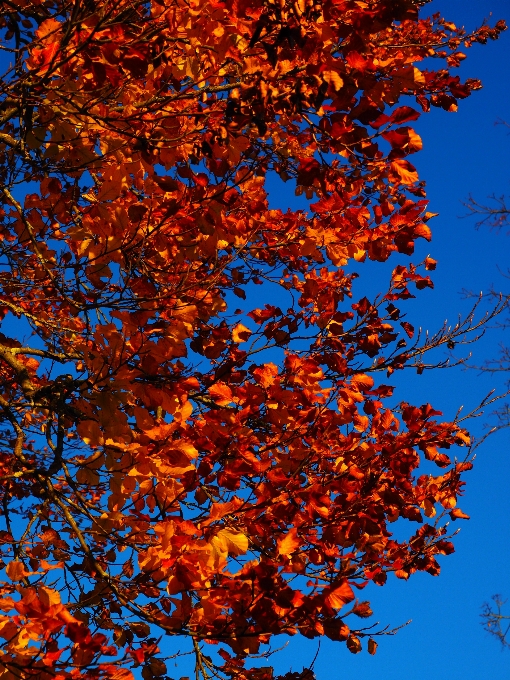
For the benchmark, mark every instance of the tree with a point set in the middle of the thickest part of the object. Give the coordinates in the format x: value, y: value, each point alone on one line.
x: 171, y: 465
x: 496, y: 216
x: 495, y: 621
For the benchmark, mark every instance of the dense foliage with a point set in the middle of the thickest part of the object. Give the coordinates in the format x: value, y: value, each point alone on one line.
x: 171, y: 464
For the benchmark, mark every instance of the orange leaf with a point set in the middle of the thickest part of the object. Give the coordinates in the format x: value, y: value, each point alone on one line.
x: 48, y: 28
x: 421, y: 230
x: 411, y: 77
x: 333, y: 79
x: 289, y: 543
x: 415, y: 142
x: 457, y: 513
x: 353, y: 644
x: 48, y: 597
x: 363, y: 610
x: 222, y: 393
x: 362, y: 382
x: 340, y: 596
x: 235, y: 542
x: 90, y: 432
x: 240, y: 333
x: 404, y: 171
x: 265, y: 375
x: 400, y: 573
x: 16, y: 570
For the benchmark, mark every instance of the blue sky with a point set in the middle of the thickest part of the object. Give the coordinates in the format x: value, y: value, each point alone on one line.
x: 464, y: 153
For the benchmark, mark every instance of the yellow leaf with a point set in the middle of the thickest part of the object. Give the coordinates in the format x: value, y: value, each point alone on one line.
x: 240, y: 333
x: 289, y: 543
x: 415, y: 142
x: 333, y: 79
x: 234, y: 542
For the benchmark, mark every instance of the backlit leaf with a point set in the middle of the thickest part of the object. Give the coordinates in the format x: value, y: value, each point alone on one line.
x: 289, y: 543
x: 339, y: 596
x: 16, y: 571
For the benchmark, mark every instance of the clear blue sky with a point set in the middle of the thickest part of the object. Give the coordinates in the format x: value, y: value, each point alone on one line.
x: 464, y: 152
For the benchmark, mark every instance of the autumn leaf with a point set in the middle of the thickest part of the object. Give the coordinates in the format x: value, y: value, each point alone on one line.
x: 240, y: 333
x: 363, y: 610
x: 222, y: 393
x: 409, y: 329
x: 404, y: 171
x: 410, y: 77
x: 404, y: 139
x: 362, y: 382
x: 340, y: 596
x: 289, y: 543
x: 265, y: 375
x: 48, y: 597
x: 400, y: 573
x: 235, y: 543
x: 48, y: 28
x: 423, y: 231
x: 181, y: 473
x: 457, y: 513
x: 333, y: 78
x: 224, y: 543
x: 16, y: 571
x: 353, y: 644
